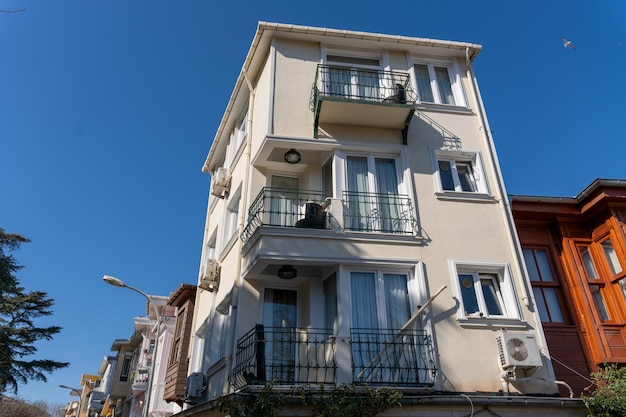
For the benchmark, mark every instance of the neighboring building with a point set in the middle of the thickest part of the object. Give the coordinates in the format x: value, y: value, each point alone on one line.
x: 353, y: 179
x: 177, y: 366
x: 575, y: 251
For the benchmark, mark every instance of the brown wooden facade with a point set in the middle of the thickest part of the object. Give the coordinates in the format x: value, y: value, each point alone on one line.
x: 176, y: 376
x: 575, y: 253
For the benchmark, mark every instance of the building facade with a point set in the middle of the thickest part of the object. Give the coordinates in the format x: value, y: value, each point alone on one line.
x: 575, y: 251
x: 358, y: 233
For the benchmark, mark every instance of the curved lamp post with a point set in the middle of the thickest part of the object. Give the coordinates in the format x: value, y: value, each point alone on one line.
x: 119, y: 283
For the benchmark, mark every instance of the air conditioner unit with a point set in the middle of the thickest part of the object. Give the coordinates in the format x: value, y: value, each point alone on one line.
x: 195, y: 387
x: 210, y: 275
x: 518, y: 350
x: 220, y: 183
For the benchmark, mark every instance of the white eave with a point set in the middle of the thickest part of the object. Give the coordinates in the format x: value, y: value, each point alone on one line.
x: 344, y: 38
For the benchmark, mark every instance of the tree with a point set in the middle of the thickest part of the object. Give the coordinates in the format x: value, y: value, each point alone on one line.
x: 15, y: 407
x: 18, y: 332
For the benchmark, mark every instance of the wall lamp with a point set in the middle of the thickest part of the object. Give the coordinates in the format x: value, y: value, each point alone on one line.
x: 287, y: 272
x: 292, y: 156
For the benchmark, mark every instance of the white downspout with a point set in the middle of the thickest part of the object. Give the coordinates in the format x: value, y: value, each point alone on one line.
x: 242, y: 218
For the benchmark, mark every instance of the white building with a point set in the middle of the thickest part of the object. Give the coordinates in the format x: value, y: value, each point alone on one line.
x: 354, y: 177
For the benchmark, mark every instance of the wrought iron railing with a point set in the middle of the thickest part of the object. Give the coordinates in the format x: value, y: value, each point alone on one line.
x: 286, y: 208
x: 284, y: 356
x: 392, y: 357
x: 345, y: 83
x: 378, y: 212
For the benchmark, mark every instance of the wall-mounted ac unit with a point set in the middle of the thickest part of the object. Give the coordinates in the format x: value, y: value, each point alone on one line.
x: 195, y: 387
x: 518, y: 350
x: 210, y: 275
x: 220, y: 184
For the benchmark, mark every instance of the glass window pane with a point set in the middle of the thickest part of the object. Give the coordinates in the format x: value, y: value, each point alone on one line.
x: 589, y: 268
x: 531, y: 265
x: 396, y: 300
x: 490, y: 293
x: 445, y: 173
x: 367, y: 85
x: 464, y: 170
x: 339, y: 82
x: 599, y: 301
x: 541, y: 305
x: 468, y: 293
x: 552, y: 301
x: 422, y: 78
x: 543, y: 265
x: 611, y: 256
x: 364, y: 309
x: 444, y: 85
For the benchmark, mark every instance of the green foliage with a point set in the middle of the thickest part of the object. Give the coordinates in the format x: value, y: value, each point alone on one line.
x: 343, y: 401
x: 350, y: 401
x: 18, y: 332
x: 265, y: 404
x: 609, y: 397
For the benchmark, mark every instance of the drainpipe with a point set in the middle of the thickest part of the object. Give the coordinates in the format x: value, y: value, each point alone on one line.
x: 242, y: 217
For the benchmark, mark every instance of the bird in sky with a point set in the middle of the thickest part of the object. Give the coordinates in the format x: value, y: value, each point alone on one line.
x: 567, y: 43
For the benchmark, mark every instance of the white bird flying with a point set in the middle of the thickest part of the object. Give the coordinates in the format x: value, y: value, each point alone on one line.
x: 567, y: 43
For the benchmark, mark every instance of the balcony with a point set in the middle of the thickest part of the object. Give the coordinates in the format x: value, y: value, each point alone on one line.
x: 140, y: 379
x: 288, y: 356
x: 286, y: 208
x: 361, y: 212
x: 284, y: 356
x: 379, y: 213
x: 392, y: 357
x: 356, y: 96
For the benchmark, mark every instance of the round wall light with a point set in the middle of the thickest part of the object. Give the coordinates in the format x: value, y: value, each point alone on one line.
x: 292, y: 156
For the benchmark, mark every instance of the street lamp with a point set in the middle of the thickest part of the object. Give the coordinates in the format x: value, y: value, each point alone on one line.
x: 119, y: 283
x: 74, y: 391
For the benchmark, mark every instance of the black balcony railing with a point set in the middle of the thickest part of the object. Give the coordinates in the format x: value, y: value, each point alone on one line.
x: 284, y: 356
x: 286, y: 208
x: 376, y: 86
x: 377, y: 212
x: 392, y: 357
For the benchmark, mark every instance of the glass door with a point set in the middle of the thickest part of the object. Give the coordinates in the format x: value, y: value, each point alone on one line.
x: 284, y: 202
x: 280, y: 313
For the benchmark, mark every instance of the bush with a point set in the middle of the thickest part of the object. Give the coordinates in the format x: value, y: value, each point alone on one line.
x: 609, y: 397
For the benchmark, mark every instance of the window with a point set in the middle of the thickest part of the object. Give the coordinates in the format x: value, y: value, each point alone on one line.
x: 177, y: 342
x: 125, y: 370
x: 485, y: 291
x: 546, y: 289
x: 353, y: 77
x: 211, y: 245
x: 456, y: 176
x: 232, y: 215
x: 611, y: 257
x: 438, y: 83
x: 458, y: 172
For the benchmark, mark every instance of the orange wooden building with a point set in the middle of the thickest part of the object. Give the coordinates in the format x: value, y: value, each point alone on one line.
x: 575, y: 253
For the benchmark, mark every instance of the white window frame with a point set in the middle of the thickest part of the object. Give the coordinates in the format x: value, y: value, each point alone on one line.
x: 231, y: 217
x: 471, y: 158
x: 455, y: 82
x: 502, y: 271
x: 353, y: 66
x: 414, y: 298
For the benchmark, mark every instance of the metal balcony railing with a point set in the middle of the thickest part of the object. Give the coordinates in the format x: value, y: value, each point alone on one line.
x: 284, y: 356
x: 392, y: 357
x: 374, y: 86
x: 377, y: 212
x: 286, y: 208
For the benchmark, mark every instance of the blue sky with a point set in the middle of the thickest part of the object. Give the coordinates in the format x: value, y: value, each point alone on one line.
x: 108, y: 109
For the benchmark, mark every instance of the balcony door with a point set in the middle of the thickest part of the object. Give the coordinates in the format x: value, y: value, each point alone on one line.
x: 380, y: 308
x: 372, y: 201
x: 280, y: 314
x: 284, y: 203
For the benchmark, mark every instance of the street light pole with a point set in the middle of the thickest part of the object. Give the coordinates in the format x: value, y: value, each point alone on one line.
x: 119, y: 283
